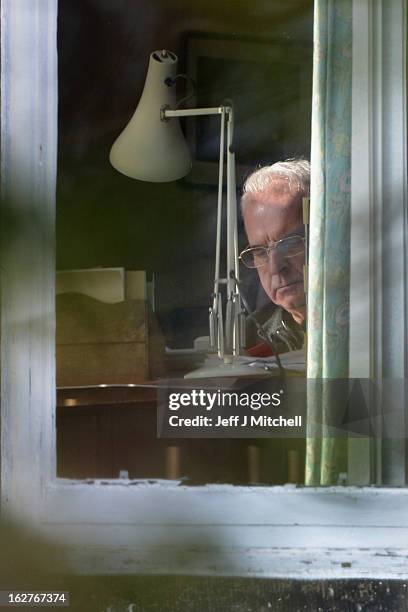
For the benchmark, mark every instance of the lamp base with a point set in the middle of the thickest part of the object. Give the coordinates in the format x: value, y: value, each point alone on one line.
x: 228, y: 369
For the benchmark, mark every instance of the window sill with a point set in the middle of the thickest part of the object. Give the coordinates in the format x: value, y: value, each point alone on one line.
x: 222, y: 530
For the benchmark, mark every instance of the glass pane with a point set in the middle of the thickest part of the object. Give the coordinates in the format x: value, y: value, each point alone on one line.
x: 135, y: 259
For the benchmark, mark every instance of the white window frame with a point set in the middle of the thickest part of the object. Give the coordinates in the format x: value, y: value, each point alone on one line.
x: 114, y: 527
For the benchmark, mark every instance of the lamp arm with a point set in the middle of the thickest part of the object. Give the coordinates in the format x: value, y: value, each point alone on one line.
x: 217, y: 336
x: 226, y: 338
x: 235, y: 329
x: 168, y: 113
x: 219, y: 206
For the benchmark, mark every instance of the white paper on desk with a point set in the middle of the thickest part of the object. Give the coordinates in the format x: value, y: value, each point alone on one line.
x: 293, y: 360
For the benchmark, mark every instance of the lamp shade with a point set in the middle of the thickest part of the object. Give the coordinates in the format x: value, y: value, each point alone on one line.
x: 149, y: 148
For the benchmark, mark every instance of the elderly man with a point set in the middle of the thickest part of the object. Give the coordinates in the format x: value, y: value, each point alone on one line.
x: 272, y: 211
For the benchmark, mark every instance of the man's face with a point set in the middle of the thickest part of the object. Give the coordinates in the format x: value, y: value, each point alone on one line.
x: 269, y: 217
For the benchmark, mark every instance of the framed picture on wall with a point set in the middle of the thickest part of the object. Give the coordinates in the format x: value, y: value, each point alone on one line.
x: 270, y: 86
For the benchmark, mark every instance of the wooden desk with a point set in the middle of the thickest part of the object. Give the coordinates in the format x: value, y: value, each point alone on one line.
x: 103, y: 431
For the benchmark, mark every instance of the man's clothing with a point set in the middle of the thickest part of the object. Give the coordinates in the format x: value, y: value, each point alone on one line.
x: 279, y: 328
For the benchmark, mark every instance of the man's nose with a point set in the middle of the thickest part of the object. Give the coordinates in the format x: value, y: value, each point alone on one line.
x: 276, y: 262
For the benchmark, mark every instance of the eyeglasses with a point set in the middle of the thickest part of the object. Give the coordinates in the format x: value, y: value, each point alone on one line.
x: 258, y: 256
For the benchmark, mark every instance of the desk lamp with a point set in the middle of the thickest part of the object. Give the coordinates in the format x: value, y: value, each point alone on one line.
x: 152, y: 148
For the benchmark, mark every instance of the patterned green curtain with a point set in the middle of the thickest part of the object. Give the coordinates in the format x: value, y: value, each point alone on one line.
x: 329, y: 233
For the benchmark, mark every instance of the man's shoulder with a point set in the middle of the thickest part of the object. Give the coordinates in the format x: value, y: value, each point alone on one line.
x: 283, y: 331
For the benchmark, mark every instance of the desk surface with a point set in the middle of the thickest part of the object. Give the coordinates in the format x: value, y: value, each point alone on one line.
x: 106, y: 395
x: 147, y: 392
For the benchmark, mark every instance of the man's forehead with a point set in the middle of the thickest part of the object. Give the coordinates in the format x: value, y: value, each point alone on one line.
x: 273, y: 214
x: 278, y: 202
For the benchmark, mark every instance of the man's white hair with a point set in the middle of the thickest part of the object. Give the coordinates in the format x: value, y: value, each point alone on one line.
x: 295, y: 171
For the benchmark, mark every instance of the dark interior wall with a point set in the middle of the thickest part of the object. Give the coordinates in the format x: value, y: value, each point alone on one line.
x: 104, y: 218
